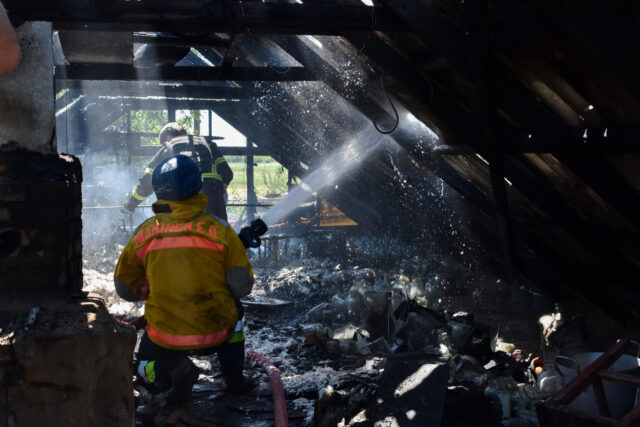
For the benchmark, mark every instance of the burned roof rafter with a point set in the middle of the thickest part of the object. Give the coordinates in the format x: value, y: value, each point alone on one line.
x: 205, y: 16
x: 602, y: 31
x: 180, y: 40
x: 179, y: 74
x: 143, y: 89
x: 553, y: 205
x: 133, y: 142
x: 158, y: 103
x: 438, y: 32
x: 583, y: 155
x: 480, y: 56
x: 232, y: 50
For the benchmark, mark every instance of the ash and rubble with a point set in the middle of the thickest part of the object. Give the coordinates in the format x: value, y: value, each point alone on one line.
x: 367, y: 314
x: 331, y: 327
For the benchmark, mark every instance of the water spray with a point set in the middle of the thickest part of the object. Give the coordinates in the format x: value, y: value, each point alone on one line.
x: 338, y: 163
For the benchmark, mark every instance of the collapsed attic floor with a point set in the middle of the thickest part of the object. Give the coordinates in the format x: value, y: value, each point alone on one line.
x: 328, y: 381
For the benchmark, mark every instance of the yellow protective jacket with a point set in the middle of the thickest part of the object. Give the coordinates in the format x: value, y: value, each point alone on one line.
x: 188, y: 266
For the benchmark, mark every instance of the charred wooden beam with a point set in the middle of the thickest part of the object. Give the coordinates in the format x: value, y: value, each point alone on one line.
x: 460, y: 184
x: 478, y: 16
x: 131, y: 143
x: 160, y: 89
x: 179, y: 74
x: 135, y: 103
x: 436, y: 30
x: 543, y: 264
x: 205, y: 16
x: 549, y: 201
x: 580, y: 149
x: 180, y: 40
x: 232, y: 51
x: 520, y: 25
x: 603, y: 178
x: 620, y: 140
x: 603, y: 31
x: 569, y: 272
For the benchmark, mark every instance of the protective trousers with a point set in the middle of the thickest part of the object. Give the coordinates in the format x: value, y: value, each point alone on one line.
x: 163, y: 369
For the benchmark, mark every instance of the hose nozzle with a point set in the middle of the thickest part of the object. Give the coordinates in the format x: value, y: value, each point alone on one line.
x: 250, y: 235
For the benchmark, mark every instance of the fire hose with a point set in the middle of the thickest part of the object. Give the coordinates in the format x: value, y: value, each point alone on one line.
x: 279, y: 404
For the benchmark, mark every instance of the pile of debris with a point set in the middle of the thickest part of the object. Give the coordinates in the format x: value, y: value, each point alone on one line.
x: 387, y: 317
x: 343, y: 360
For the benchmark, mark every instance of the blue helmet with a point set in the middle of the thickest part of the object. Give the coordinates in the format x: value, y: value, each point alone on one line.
x: 177, y: 177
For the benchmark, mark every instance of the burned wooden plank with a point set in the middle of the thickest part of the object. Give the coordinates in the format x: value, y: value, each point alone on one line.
x: 602, y: 177
x: 478, y: 15
x: 584, y: 156
x: 179, y: 74
x: 435, y: 29
x: 553, y: 204
x: 518, y: 26
x: 205, y: 16
x: 136, y: 103
x: 603, y: 31
x: 232, y: 50
x: 159, y: 89
x: 180, y: 40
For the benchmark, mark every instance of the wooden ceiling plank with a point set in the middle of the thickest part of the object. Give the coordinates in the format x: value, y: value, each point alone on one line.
x: 204, y: 16
x: 179, y: 74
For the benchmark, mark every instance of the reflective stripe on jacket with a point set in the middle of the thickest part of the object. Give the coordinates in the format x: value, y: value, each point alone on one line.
x: 215, y: 167
x: 194, y: 265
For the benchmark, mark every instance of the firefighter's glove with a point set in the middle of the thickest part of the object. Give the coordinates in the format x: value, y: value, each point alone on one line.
x: 139, y: 323
x: 128, y: 207
x: 248, y: 238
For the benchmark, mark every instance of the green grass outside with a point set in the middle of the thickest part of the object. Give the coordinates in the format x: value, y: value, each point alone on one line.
x: 270, y: 179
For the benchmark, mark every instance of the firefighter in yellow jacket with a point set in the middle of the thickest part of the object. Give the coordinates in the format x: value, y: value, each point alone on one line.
x: 191, y: 268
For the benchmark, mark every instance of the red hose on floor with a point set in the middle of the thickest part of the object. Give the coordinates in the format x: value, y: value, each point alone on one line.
x: 279, y: 405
